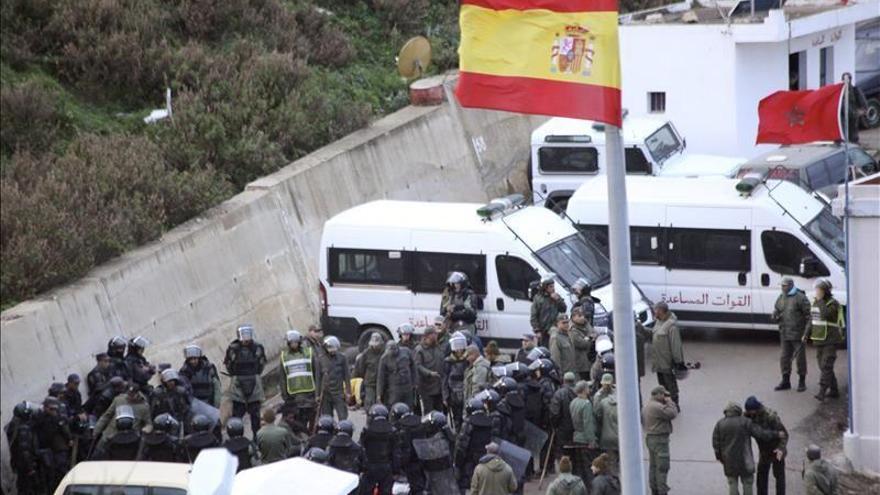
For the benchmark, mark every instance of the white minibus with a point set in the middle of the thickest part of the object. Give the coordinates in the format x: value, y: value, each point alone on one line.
x: 716, y: 255
x: 386, y: 262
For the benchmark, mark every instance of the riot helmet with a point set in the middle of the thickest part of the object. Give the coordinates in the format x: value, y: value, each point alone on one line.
x: 170, y: 375
x: 581, y: 287
x: 457, y: 342
x: 378, y: 411
x: 166, y: 422
x: 116, y: 346
x: 201, y: 423
x: 538, y: 353
x: 293, y: 337
x: 399, y: 410
x: 245, y: 332
x: 192, y: 351
x: 331, y: 343
x: 139, y: 342
x: 437, y: 419
x: 517, y: 370
x: 317, y: 454
x: 345, y: 427
x: 475, y: 404
x: 235, y: 427
x: 490, y: 397
x: 326, y: 424
x: 456, y: 278
x: 124, y: 418
x: 24, y: 410
x: 505, y: 385
x: 405, y: 329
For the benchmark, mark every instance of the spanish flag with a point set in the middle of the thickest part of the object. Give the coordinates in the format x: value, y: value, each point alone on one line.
x: 546, y: 57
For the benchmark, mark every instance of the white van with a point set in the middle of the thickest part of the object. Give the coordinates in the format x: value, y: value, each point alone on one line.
x: 566, y: 152
x: 386, y: 262
x: 717, y: 256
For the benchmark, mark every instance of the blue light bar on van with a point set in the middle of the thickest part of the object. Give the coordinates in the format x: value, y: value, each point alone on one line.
x: 568, y: 139
x: 500, y: 205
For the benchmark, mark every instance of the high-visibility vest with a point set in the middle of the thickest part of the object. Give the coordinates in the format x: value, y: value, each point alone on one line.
x: 298, y: 370
x: 820, y: 326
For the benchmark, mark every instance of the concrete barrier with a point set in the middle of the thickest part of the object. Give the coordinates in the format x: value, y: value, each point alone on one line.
x: 254, y: 257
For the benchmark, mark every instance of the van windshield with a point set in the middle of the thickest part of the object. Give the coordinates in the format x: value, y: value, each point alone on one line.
x: 572, y: 258
x: 827, y: 230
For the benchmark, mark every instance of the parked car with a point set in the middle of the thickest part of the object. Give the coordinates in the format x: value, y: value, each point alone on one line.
x: 818, y: 167
x: 128, y: 477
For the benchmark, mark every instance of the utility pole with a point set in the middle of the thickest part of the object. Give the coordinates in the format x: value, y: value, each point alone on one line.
x: 629, y: 421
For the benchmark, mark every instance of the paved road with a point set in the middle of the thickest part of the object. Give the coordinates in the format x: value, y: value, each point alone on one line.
x: 735, y: 364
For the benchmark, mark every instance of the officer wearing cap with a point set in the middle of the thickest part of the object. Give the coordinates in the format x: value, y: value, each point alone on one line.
x: 581, y: 334
x: 366, y: 366
x: 529, y: 341
x: 792, y: 313
x: 827, y: 324
x: 429, y: 358
x: 562, y: 350
x: 657, y: 416
x: 298, y: 368
x: 99, y: 377
x: 546, y: 304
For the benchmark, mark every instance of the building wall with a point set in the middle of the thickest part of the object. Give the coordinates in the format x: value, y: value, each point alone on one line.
x: 761, y: 69
x: 254, y: 257
x: 694, y: 65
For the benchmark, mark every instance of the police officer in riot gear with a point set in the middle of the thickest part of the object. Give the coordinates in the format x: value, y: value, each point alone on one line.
x: 409, y: 427
x: 581, y: 290
x: 116, y: 352
x: 345, y: 453
x: 475, y: 434
x: 161, y: 444
x: 540, y: 389
x: 326, y: 427
x: 124, y: 445
x: 435, y: 454
x: 53, y: 437
x: 99, y: 377
x: 201, y: 437
x: 546, y: 304
x: 23, y: 449
x: 458, y: 303
x: 405, y: 333
x: 244, y: 361
x: 317, y: 454
x: 202, y: 376
x: 139, y: 369
x: 380, y: 445
x: 170, y: 397
x: 491, y: 398
x: 397, y: 375
x: 335, y: 382
x: 513, y: 406
x: 240, y: 446
x: 456, y: 365
x: 299, y: 367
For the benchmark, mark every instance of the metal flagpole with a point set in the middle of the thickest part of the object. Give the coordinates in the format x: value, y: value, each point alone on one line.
x: 629, y: 422
x: 846, y: 179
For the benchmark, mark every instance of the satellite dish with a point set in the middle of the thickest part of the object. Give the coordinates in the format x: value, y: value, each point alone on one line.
x: 414, y: 57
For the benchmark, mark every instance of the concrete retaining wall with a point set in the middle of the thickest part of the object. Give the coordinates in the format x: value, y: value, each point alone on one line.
x: 254, y: 257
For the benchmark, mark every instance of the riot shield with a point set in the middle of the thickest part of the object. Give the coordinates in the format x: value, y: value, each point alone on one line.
x: 201, y: 407
x: 515, y: 456
x: 436, y: 448
x: 535, y: 439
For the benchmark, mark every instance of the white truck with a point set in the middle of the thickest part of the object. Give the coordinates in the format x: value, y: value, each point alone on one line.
x: 385, y: 263
x: 566, y: 152
x: 716, y: 249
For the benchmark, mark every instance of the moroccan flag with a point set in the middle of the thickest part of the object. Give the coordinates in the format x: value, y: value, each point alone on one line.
x: 794, y: 117
x: 546, y: 57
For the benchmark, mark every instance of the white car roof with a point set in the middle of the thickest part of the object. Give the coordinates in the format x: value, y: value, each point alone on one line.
x: 699, y: 192
x: 635, y: 129
x: 537, y: 226
x: 692, y: 165
x: 134, y: 473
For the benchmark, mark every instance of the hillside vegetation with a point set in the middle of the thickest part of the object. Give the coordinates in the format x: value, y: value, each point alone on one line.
x: 255, y: 84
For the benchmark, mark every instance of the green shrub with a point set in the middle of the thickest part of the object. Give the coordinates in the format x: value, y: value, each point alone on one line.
x: 31, y: 118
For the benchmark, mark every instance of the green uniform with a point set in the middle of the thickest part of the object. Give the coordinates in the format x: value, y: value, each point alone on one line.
x: 826, y: 331
x: 792, y: 313
x: 605, y: 413
x: 562, y: 351
x: 584, y: 423
x: 366, y: 366
x: 275, y: 442
x: 544, y: 311
x: 667, y: 353
x: 493, y: 476
x: 476, y: 378
x: 820, y: 478
x: 657, y: 420
x: 582, y: 340
x: 107, y: 422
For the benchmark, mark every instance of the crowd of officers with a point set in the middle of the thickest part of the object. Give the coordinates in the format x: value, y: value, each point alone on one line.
x: 438, y: 411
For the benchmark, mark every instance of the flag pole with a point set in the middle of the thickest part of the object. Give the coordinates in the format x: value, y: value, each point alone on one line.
x: 849, y: 167
x: 629, y: 421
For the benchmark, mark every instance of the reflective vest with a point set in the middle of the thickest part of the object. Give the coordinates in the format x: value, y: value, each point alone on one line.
x: 820, y: 326
x: 298, y: 368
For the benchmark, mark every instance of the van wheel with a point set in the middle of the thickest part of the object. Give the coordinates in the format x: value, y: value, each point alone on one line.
x: 367, y: 332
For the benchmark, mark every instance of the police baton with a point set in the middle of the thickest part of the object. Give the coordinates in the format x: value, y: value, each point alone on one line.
x: 314, y: 425
x: 547, y: 458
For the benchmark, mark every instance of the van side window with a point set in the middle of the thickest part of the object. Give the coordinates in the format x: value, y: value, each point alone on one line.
x: 367, y: 266
x: 430, y: 271
x: 646, y: 243
x: 709, y: 249
x: 514, y: 276
x: 783, y: 253
x: 635, y: 160
x: 818, y: 176
x: 568, y: 160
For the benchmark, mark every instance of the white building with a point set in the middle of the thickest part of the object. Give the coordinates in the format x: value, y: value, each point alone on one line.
x: 706, y: 70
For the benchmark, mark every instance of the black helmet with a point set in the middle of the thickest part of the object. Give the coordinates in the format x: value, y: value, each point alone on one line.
x: 139, y: 342
x: 517, y: 370
x: 235, y: 427
x: 201, y: 423
x: 56, y: 389
x: 378, y: 411
x: 538, y: 353
x: 474, y: 404
x: 399, y: 410
x: 437, y: 419
x: 124, y: 418
x: 117, y: 384
x: 456, y: 278
x: 545, y: 365
x: 581, y: 286
x: 317, y: 454
x: 116, y: 344
x: 490, y: 397
x: 608, y: 361
x: 23, y: 410
x: 326, y: 424
x: 345, y: 427
x: 166, y: 422
x: 504, y: 385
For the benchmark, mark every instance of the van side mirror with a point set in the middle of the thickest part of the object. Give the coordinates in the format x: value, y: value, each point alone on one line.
x: 810, y: 267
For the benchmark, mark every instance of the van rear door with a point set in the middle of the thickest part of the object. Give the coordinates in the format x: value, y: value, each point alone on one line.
x: 508, y: 306
x: 709, y: 280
